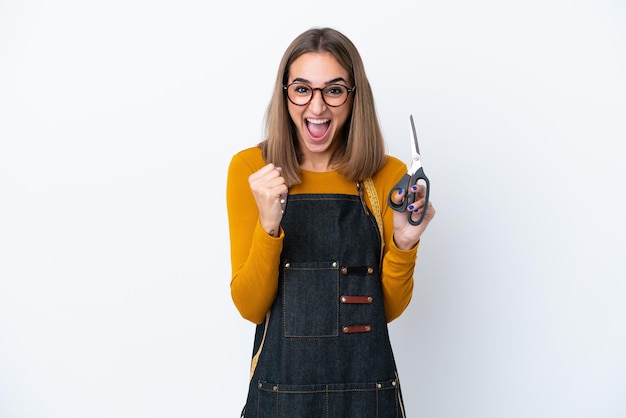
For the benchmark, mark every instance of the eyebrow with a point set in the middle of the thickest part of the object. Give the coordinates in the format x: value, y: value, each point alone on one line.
x: 304, y: 80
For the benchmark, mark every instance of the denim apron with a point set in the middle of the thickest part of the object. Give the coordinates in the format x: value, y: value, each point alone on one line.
x: 325, y: 343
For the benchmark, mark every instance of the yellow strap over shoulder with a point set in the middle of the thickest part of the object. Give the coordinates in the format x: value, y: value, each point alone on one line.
x: 373, y: 197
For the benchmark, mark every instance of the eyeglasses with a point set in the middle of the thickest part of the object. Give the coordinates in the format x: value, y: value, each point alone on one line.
x: 333, y: 95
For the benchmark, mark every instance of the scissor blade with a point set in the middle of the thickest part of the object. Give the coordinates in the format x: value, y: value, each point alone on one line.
x: 416, y: 147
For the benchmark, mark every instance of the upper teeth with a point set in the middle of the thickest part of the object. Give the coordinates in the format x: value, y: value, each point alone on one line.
x: 317, y: 121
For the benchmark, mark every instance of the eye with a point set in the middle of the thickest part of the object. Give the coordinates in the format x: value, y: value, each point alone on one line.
x: 301, y: 89
x: 335, y: 90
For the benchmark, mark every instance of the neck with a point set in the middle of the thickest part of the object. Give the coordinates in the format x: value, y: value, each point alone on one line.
x: 318, y: 165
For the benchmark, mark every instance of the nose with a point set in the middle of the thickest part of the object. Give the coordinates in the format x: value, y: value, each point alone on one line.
x: 317, y: 103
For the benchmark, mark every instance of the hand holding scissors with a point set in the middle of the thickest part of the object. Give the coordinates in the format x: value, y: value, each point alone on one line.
x: 414, y: 175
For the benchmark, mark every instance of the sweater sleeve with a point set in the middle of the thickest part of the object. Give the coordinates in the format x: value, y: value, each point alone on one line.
x: 397, y: 279
x: 398, y: 265
x: 255, y: 255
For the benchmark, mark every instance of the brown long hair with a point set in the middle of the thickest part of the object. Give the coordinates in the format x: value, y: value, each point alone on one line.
x: 361, y: 152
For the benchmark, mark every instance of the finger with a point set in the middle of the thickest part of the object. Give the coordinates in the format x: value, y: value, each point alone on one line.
x: 267, y: 171
x: 398, y: 196
x: 262, y: 171
x: 414, y: 207
x: 266, y: 178
x: 419, y: 190
x: 416, y: 213
x: 417, y: 204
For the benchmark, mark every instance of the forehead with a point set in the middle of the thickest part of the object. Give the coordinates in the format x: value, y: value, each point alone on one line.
x: 317, y: 67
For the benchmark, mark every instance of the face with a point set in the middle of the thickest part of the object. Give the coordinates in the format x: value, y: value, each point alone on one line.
x: 317, y: 124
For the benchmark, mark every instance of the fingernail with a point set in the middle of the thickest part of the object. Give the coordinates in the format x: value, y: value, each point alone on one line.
x: 414, y: 188
x: 400, y: 192
x: 411, y: 207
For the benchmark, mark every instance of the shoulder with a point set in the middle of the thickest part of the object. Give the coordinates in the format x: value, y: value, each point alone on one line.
x: 249, y: 159
x: 392, y: 162
x: 391, y: 171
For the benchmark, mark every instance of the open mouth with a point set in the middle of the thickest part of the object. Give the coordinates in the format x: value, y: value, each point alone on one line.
x: 317, y: 127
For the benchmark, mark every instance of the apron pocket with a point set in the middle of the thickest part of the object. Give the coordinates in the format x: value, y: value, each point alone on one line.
x: 354, y: 400
x: 311, y: 299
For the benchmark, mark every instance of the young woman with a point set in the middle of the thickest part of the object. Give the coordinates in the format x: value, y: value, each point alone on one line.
x: 311, y: 266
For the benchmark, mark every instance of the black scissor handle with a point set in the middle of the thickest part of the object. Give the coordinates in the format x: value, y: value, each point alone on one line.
x: 405, y: 183
x: 417, y: 177
x: 402, y: 185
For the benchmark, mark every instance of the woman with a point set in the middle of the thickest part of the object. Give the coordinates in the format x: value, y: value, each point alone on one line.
x: 309, y: 264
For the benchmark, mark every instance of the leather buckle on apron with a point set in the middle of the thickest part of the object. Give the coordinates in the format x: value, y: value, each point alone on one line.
x: 357, y: 299
x: 352, y: 329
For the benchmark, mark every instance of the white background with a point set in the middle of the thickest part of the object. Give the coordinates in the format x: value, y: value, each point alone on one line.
x: 117, y: 123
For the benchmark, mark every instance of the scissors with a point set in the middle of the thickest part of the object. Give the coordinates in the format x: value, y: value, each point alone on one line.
x: 414, y: 175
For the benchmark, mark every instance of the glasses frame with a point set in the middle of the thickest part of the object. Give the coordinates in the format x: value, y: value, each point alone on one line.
x: 321, y: 90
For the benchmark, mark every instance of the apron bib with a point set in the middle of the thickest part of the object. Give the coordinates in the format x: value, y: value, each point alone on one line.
x: 326, y: 351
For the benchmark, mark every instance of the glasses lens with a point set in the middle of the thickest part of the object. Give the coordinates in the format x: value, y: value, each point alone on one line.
x: 299, y: 94
x: 335, y: 95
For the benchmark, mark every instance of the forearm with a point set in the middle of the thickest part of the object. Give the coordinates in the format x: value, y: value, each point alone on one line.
x: 397, y: 279
x: 255, y: 283
x: 254, y: 254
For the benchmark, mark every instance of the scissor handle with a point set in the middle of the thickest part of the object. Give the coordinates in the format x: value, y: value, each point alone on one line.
x: 405, y: 183
x: 401, y: 185
x: 419, y: 175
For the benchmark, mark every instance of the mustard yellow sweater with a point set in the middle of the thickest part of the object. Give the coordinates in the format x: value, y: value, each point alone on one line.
x: 255, y: 255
